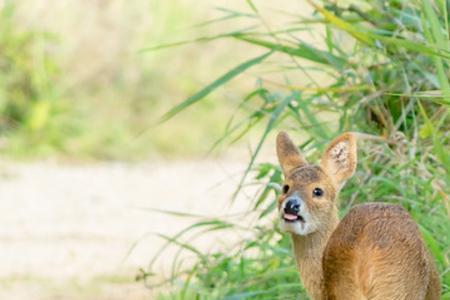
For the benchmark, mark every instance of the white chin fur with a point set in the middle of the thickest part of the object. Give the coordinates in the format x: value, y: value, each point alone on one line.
x: 297, y: 227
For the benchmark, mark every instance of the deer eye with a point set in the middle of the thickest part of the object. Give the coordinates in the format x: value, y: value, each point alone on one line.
x: 285, y: 188
x: 317, y: 192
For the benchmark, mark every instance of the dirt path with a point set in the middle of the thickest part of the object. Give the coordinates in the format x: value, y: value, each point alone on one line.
x: 66, y: 229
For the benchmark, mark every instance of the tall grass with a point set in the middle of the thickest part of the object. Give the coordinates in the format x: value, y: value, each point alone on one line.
x: 383, y: 69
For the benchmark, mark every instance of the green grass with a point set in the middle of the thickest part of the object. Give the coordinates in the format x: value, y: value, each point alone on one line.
x: 385, y: 66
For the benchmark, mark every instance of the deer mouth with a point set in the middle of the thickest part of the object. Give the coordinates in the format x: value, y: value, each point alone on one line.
x: 290, y: 218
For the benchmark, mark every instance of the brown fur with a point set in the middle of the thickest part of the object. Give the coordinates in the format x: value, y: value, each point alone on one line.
x: 375, y: 252
x: 288, y: 154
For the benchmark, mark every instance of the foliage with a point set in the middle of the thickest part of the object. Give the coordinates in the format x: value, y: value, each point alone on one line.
x: 384, y: 69
x: 63, y: 94
x: 28, y: 84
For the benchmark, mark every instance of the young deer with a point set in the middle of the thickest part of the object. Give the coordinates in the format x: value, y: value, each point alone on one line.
x: 375, y: 252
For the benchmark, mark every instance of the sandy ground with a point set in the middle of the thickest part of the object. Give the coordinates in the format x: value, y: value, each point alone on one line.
x: 66, y: 229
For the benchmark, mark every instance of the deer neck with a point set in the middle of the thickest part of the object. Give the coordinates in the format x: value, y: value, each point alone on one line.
x: 308, y: 252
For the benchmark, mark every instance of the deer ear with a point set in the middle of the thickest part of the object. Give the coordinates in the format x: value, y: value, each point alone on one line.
x: 288, y: 154
x: 339, y: 159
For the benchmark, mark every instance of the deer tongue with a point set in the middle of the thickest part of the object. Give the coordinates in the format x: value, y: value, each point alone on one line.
x: 290, y: 217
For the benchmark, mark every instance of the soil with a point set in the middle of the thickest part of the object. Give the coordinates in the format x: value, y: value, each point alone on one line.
x: 68, y: 229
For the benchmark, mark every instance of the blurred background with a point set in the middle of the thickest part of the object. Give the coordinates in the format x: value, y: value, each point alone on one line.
x: 137, y: 137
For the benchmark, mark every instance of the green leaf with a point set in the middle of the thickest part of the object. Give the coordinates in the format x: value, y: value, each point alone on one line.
x: 39, y: 116
x: 372, y: 39
x: 270, y: 126
x: 252, y: 6
x: 303, y: 50
x: 214, y: 85
x: 432, y: 244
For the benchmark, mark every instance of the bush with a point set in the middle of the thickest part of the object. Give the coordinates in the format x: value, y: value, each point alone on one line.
x: 63, y: 95
x: 384, y: 67
x: 33, y: 114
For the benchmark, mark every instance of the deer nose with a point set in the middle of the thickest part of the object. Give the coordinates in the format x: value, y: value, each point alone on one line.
x: 292, y: 206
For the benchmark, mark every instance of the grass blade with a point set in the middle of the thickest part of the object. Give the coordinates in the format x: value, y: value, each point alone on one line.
x: 214, y: 85
x: 270, y: 125
x: 303, y: 50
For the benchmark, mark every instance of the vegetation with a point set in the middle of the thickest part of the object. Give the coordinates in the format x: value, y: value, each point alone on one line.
x: 60, y: 97
x: 27, y: 98
x: 381, y: 67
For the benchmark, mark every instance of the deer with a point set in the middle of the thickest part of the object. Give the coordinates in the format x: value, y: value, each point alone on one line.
x: 375, y: 252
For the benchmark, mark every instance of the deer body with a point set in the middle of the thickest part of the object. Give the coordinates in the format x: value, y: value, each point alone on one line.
x: 375, y: 252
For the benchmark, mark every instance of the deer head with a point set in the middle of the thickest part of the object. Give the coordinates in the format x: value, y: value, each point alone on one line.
x: 309, y: 191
